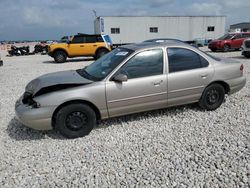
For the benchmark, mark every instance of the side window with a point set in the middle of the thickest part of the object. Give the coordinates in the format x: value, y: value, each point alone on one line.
x: 246, y: 35
x: 90, y: 39
x: 99, y: 38
x: 181, y: 59
x: 147, y: 63
x: 239, y: 36
x: 78, y: 39
x: 204, y: 62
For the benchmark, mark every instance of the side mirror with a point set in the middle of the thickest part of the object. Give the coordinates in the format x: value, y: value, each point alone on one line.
x: 120, y: 78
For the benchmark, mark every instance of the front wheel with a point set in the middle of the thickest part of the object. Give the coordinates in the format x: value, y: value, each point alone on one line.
x: 226, y: 48
x: 212, y: 97
x: 213, y: 49
x: 75, y: 120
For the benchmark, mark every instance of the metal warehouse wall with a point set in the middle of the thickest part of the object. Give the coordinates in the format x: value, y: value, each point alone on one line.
x: 136, y: 29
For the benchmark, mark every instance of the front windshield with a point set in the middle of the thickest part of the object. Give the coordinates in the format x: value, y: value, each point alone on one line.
x: 106, y: 64
x: 226, y: 37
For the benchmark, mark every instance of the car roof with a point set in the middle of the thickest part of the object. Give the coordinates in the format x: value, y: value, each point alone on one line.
x: 162, y: 40
x: 145, y: 45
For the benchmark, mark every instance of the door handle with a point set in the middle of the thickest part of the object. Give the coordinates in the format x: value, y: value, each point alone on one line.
x: 81, y: 45
x: 204, y: 76
x: 94, y: 45
x: 157, y: 83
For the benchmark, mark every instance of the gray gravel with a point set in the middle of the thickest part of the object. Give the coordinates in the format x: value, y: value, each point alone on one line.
x: 175, y: 147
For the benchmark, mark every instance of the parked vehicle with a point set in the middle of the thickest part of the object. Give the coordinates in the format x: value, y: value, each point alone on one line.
x: 129, y: 79
x: 17, y: 51
x: 246, y: 48
x: 228, y: 42
x: 42, y: 48
x: 81, y: 45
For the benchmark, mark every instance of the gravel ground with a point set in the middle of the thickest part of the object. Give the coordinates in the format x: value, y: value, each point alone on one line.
x: 175, y: 147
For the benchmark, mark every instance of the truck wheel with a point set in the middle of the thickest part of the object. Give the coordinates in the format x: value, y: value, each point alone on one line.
x: 101, y: 53
x: 60, y: 56
x: 75, y: 120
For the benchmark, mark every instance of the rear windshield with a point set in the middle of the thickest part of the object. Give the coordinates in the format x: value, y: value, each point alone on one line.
x: 213, y: 57
x: 209, y: 55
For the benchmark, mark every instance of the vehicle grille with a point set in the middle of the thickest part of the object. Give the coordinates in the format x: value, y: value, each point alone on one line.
x: 247, y: 43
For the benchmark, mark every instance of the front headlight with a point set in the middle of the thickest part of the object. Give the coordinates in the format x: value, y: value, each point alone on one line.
x: 28, y: 99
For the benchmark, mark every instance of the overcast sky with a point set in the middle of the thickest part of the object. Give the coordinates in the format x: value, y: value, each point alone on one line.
x: 52, y: 19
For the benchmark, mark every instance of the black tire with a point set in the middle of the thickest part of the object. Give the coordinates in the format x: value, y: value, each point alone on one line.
x: 213, y: 49
x: 247, y: 56
x: 75, y: 120
x: 101, y: 53
x: 212, y: 97
x: 60, y: 56
x: 226, y: 48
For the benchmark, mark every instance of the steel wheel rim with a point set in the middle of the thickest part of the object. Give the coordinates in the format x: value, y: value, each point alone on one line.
x: 213, y: 96
x: 76, y: 121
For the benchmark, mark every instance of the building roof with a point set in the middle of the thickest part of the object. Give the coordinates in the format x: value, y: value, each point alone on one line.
x: 242, y: 25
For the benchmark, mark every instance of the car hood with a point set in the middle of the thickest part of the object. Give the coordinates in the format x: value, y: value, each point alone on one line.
x: 58, y: 80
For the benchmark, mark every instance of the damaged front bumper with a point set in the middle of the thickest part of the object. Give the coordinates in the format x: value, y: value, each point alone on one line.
x: 36, y: 118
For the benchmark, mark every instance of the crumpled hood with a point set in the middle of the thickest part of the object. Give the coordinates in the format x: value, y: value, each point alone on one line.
x: 53, y: 79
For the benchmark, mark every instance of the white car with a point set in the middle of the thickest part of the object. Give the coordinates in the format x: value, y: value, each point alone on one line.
x: 246, y: 48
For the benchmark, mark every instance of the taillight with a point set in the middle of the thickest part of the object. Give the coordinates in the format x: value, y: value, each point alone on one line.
x: 241, y: 67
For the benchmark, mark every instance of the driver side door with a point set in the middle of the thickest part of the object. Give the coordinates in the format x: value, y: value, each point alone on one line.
x: 145, y: 89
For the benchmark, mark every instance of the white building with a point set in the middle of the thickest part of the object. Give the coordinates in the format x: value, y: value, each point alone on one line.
x: 132, y: 29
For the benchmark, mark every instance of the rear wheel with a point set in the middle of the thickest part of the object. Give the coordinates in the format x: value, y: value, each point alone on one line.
x: 101, y: 53
x: 212, y: 97
x: 75, y: 120
x: 60, y: 56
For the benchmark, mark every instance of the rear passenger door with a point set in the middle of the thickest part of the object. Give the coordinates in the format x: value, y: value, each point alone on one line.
x: 90, y: 45
x: 188, y: 74
x: 77, y: 47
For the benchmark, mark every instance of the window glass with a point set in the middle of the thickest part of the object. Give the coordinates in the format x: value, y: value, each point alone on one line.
x: 204, y: 62
x: 147, y: 63
x: 210, y: 28
x: 181, y: 59
x: 90, y: 39
x: 99, y: 69
x: 99, y: 38
x: 115, y: 30
x: 238, y: 36
x: 153, y: 29
x: 246, y: 35
x: 78, y: 39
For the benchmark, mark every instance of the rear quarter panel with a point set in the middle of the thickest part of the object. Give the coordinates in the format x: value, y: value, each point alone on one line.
x: 230, y: 73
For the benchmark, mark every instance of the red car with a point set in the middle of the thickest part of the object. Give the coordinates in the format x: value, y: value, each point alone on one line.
x: 228, y: 41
